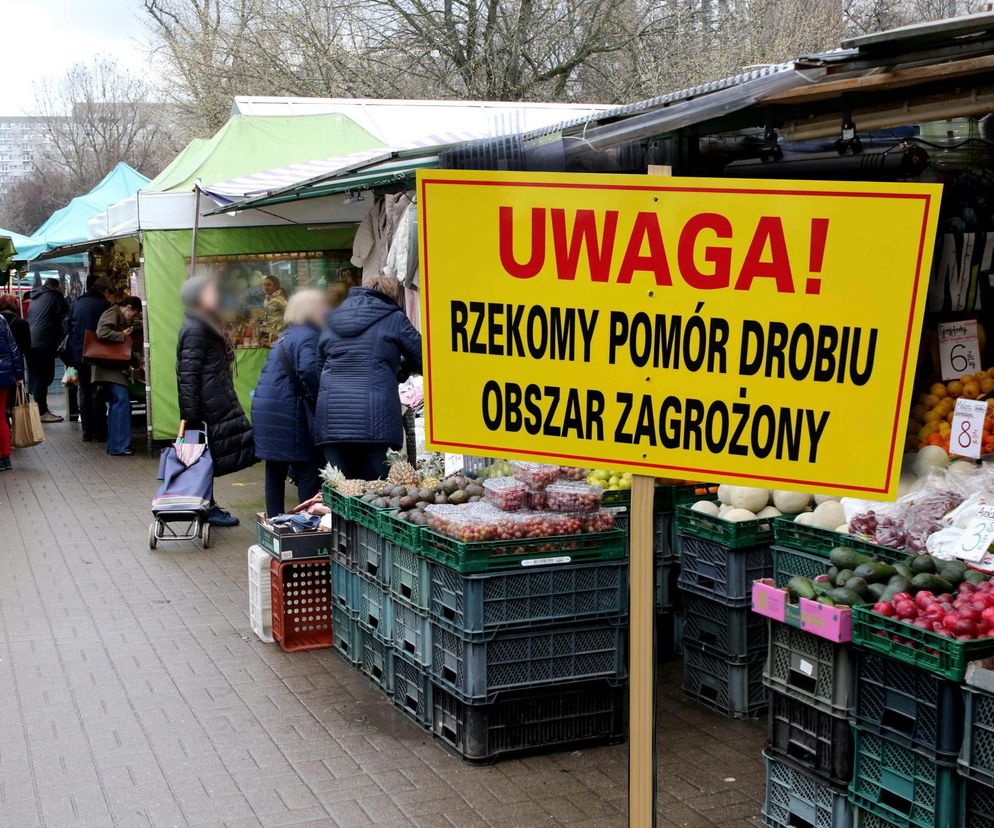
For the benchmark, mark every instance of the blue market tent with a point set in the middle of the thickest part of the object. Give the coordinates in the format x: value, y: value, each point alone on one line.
x: 69, y: 224
x: 13, y: 245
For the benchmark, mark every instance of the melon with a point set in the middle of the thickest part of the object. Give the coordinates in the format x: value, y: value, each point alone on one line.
x: 828, y: 515
x: 746, y: 497
x: 769, y: 512
x: 738, y: 515
x: 705, y: 506
x: 929, y: 458
x: 791, y: 503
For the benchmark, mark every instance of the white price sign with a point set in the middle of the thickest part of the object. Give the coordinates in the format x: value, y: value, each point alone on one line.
x: 454, y: 464
x: 959, y: 348
x: 978, y: 535
x: 967, y: 429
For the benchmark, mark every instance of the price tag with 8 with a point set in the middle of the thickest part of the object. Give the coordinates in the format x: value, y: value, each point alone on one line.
x: 967, y: 429
x: 978, y: 535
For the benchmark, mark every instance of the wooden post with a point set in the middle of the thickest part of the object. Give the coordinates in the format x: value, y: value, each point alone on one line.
x: 642, y: 646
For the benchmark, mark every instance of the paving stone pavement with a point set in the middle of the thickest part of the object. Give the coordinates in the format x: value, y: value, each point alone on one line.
x: 134, y: 693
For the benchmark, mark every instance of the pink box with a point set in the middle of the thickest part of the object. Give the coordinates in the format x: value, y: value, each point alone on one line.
x: 769, y: 600
x: 833, y: 623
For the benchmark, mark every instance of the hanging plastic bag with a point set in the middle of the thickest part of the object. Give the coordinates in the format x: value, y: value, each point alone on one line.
x: 70, y: 377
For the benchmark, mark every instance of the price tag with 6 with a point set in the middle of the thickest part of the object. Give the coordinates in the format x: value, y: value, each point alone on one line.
x: 967, y: 429
x: 959, y: 348
x: 978, y: 535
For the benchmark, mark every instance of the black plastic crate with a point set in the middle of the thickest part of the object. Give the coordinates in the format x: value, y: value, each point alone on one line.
x: 377, y: 660
x: 908, y: 705
x: 729, y: 632
x: 815, y: 670
x: 794, y: 799
x: 667, y: 593
x: 412, y: 689
x: 977, y: 810
x: 722, y: 573
x: 814, y: 740
x: 733, y: 688
x: 976, y: 760
x: 532, y: 721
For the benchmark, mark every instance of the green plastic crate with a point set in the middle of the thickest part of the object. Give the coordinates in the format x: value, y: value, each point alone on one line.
x: 906, y: 787
x: 366, y: 514
x: 489, y: 556
x: 338, y: 503
x: 789, y: 562
x: 811, y: 539
x: 401, y: 532
x: 727, y: 533
x: 925, y: 649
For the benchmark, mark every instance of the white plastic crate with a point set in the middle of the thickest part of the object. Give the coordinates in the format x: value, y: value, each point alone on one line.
x: 260, y: 593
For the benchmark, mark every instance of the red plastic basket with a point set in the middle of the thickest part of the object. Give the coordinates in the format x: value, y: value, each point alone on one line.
x: 301, y: 604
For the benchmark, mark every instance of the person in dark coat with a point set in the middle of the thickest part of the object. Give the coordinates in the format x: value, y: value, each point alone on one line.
x: 283, y: 405
x: 10, y: 309
x: 11, y: 375
x: 204, y: 359
x: 115, y: 325
x: 367, y: 342
x: 46, y: 313
x: 84, y: 315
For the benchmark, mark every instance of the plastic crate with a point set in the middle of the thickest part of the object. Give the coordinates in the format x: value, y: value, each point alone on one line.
x: 260, y: 593
x: 366, y: 514
x: 346, y: 635
x: 815, y: 670
x: 492, y: 601
x: 343, y: 538
x: 372, y: 555
x: 925, y: 649
x: 412, y: 689
x: 734, y: 689
x: 908, y: 705
x: 666, y: 585
x: 795, y: 799
x: 551, y: 719
x: 814, y: 540
x: 490, y: 556
x: 977, y: 805
x: 909, y: 788
x: 729, y: 632
x: 301, y: 601
x: 411, y: 632
x: 816, y: 741
x: 376, y: 609
x: 722, y: 573
x: 734, y: 535
x: 377, y: 660
x: 409, y: 576
x: 401, y: 532
x: 976, y: 759
x: 476, y: 670
x: 338, y: 503
x: 790, y: 562
x: 668, y: 645
x: 345, y: 591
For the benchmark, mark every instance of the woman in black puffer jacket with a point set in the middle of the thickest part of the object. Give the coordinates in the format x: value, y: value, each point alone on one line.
x: 204, y: 358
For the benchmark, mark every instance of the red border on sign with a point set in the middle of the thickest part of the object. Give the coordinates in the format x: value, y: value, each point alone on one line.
x: 923, y: 197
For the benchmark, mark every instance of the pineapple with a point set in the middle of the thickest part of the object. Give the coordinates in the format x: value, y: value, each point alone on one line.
x: 352, y: 488
x: 402, y: 473
x: 332, y: 475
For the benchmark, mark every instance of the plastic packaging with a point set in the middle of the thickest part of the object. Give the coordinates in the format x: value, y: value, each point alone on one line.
x: 536, y: 475
x: 574, y: 496
x: 600, y: 521
x: 505, y: 493
x: 538, y: 500
x: 467, y: 522
x: 572, y: 473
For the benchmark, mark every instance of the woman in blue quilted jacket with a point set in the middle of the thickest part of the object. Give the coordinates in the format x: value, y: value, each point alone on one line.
x: 11, y: 375
x: 283, y: 405
x: 366, y: 343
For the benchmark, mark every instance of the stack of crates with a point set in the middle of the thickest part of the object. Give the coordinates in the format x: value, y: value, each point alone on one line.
x: 976, y: 760
x: 724, y: 643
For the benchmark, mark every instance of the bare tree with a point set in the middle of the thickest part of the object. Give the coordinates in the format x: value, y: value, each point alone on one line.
x: 95, y: 116
x: 32, y: 198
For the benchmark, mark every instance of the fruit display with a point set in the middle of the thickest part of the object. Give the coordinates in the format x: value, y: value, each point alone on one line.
x: 499, y: 468
x: 931, y: 417
x: 573, y: 496
x: 612, y: 481
x: 855, y: 578
x: 742, y: 503
x: 572, y: 473
x: 506, y: 493
x: 536, y: 475
x: 538, y: 500
x: 476, y: 522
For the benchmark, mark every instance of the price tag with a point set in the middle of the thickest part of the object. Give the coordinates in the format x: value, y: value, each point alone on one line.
x: 959, y: 348
x: 454, y: 464
x: 978, y: 535
x: 967, y: 429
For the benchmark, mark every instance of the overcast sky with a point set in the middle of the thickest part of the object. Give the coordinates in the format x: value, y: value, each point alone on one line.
x: 44, y: 37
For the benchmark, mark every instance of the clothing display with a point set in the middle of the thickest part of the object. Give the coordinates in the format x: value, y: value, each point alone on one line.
x: 377, y: 229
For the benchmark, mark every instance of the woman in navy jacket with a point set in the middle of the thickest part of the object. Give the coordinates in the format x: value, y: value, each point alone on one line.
x: 283, y: 405
x: 367, y: 342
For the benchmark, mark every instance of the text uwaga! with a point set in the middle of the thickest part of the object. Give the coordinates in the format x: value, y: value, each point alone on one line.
x: 824, y: 354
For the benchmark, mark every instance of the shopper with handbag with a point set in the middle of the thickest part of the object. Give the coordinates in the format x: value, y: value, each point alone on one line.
x: 283, y: 406
x: 205, y: 357
x: 115, y: 327
x: 11, y: 375
x: 84, y: 315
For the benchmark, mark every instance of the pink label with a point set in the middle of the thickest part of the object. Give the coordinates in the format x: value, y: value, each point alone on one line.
x: 768, y: 600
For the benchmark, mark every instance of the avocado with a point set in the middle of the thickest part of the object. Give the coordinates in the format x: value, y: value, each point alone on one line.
x: 951, y: 574
x: 922, y: 563
x: 895, y: 585
x: 904, y: 571
x: 858, y: 585
x: 843, y: 576
x: 800, y: 587
x: 876, y: 591
x: 833, y: 573
x: 845, y: 597
x: 845, y: 558
x: 933, y: 583
x: 974, y: 576
x: 824, y: 599
x: 876, y: 572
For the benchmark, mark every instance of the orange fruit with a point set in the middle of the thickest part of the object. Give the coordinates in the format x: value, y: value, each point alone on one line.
x: 955, y: 388
x: 938, y: 390
x: 949, y: 417
x: 918, y: 411
x: 933, y: 416
x: 926, y: 430
x: 971, y: 390
x: 966, y: 378
x: 930, y: 401
x: 986, y: 386
x: 934, y: 439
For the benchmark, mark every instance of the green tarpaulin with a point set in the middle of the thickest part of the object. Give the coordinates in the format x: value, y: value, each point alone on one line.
x: 166, y: 253
x: 248, y: 144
